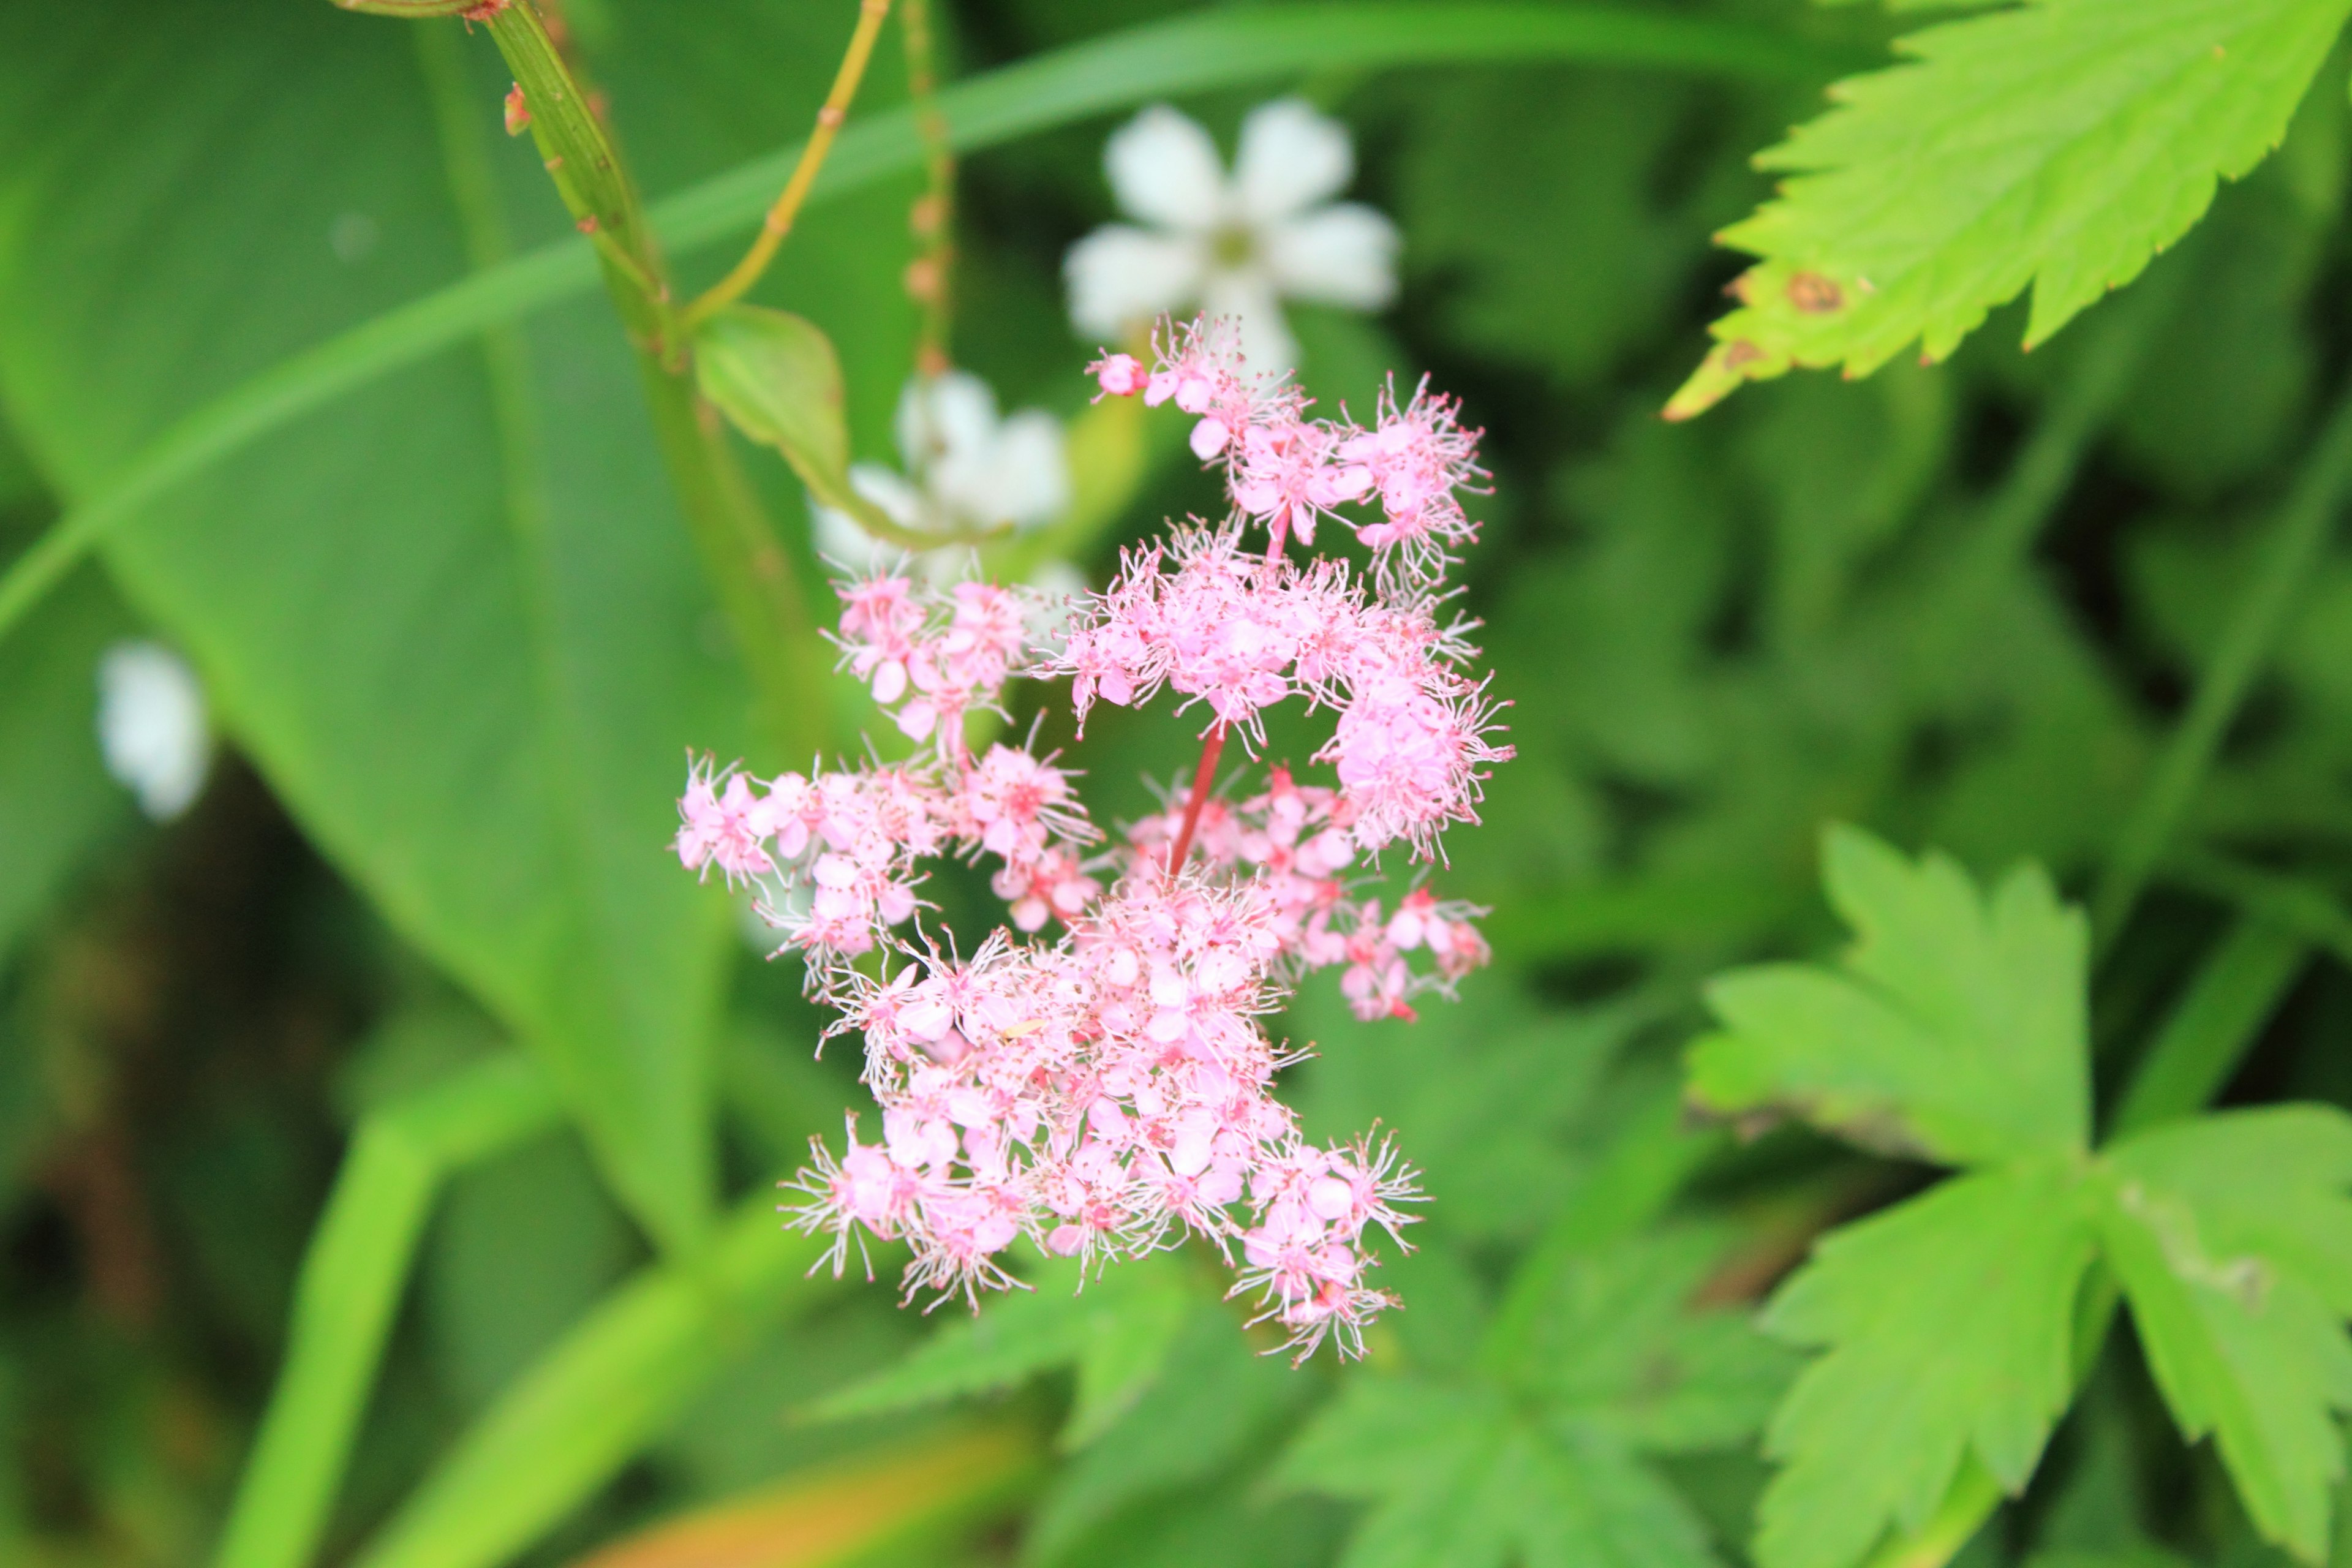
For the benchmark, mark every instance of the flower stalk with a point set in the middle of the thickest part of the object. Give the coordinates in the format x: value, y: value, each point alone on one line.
x: 742, y: 555
x: 787, y: 206
x: 931, y: 275
x: 1213, y: 746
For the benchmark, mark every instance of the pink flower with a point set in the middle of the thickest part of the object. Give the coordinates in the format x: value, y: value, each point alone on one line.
x: 1110, y: 1087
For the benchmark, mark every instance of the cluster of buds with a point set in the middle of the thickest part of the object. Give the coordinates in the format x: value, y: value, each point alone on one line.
x: 1097, y: 1077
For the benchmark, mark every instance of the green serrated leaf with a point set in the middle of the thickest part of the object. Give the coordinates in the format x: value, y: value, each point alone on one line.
x: 776, y: 376
x: 1947, y: 1323
x: 1955, y: 1031
x: 2229, y: 1237
x: 2060, y: 144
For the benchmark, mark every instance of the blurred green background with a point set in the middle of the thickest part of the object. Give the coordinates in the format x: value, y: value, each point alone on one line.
x: 1963, y: 606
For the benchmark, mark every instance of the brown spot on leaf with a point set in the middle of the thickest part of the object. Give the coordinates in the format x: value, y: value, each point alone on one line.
x: 1815, y: 294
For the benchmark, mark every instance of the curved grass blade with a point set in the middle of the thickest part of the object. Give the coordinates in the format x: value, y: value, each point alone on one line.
x: 1189, y: 54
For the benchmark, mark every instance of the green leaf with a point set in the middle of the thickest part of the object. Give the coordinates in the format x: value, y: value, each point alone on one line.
x: 1459, y: 1478
x: 2061, y: 144
x: 1185, y: 53
x: 1216, y: 1398
x: 351, y: 1288
x: 1117, y: 1333
x: 566, y: 1426
x: 2232, y: 1238
x: 57, y: 804
x: 456, y: 624
x: 1956, y: 1029
x: 776, y: 376
x: 1947, y: 1323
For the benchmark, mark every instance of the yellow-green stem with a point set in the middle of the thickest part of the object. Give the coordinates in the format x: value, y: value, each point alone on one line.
x: 741, y: 553
x: 779, y: 221
x: 929, y: 278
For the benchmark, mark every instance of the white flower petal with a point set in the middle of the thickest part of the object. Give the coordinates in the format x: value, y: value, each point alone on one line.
x: 946, y: 417
x: 1291, y: 157
x: 1028, y: 479
x: 900, y: 502
x: 1339, y: 255
x: 1119, y: 276
x: 1246, y: 297
x: 1164, y: 169
x: 841, y: 542
x: 151, y: 726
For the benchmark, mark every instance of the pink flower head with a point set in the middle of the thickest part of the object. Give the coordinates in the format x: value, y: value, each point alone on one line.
x: 1120, y: 375
x: 1097, y: 1074
x: 720, y: 824
x: 1417, y: 458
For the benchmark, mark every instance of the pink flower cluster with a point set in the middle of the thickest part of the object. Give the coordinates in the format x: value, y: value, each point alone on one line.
x: 1287, y: 471
x: 1108, y: 1089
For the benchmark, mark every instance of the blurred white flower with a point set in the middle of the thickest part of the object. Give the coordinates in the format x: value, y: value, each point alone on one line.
x: 967, y: 472
x: 151, y: 726
x: 1234, y: 248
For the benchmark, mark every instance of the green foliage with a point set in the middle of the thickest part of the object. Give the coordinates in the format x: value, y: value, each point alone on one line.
x: 1540, y: 1460
x: 1956, y: 1032
x: 2060, y: 143
x: 1117, y: 1333
x: 313, y: 350
x: 776, y: 375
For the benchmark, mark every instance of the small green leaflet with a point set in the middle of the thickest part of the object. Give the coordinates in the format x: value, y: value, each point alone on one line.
x: 1540, y: 1461
x: 1955, y: 1031
x: 2060, y: 143
x: 776, y: 376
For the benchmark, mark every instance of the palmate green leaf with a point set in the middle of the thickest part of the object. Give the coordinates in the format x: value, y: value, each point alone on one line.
x: 2059, y: 143
x: 1956, y: 1029
x: 458, y: 626
x: 1947, y: 1323
x: 2232, y: 1238
x: 1541, y: 1461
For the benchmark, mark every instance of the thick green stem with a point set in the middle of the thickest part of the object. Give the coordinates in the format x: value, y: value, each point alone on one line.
x: 350, y: 1288
x: 2256, y: 621
x: 741, y: 553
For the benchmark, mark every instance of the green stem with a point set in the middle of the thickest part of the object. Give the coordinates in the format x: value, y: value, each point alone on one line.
x: 2289, y: 903
x: 350, y: 1288
x: 1189, y: 54
x: 2256, y: 621
x: 2212, y: 1027
x: 741, y: 553
x: 2040, y: 476
x: 612, y: 1384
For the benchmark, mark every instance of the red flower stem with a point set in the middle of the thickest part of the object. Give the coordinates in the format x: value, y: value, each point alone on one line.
x: 1202, y: 777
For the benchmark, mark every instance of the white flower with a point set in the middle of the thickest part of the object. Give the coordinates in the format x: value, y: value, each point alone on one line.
x: 151, y: 726
x: 1234, y: 248
x: 967, y: 472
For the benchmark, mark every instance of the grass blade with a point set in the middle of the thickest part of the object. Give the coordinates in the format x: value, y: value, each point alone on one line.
x: 570, y: 1422
x: 1188, y: 54
x: 350, y: 1288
